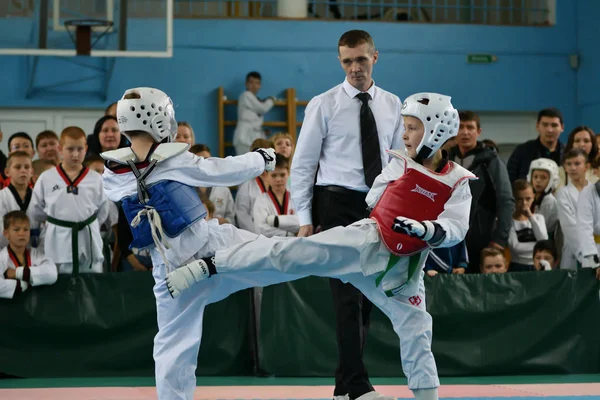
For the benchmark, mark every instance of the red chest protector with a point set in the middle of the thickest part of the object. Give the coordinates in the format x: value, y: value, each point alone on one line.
x: 419, y: 194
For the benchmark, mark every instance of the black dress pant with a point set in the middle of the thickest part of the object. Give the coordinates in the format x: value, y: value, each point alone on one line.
x: 337, y: 206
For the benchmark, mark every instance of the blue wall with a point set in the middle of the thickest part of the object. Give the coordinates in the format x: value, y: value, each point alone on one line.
x: 533, y: 70
x: 588, y: 85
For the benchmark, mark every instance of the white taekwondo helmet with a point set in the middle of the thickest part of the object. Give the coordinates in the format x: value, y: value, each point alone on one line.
x: 150, y: 110
x: 438, y: 116
x: 545, y: 164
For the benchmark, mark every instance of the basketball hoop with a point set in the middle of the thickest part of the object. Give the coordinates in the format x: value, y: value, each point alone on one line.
x: 83, y: 33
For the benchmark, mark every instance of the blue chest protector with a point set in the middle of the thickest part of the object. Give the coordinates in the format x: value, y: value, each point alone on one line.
x: 177, y: 204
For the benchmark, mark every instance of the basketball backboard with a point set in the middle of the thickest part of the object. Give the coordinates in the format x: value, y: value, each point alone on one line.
x: 117, y: 28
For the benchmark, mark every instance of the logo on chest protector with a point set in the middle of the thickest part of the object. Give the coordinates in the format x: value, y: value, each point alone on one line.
x: 430, y: 195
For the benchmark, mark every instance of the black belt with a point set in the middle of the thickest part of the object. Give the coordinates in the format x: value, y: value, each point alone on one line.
x: 343, y: 190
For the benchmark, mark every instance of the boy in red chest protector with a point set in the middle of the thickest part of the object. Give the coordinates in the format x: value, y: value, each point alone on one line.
x: 419, y: 201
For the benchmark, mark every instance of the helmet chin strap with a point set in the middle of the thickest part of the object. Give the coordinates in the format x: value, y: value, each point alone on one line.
x: 423, y: 154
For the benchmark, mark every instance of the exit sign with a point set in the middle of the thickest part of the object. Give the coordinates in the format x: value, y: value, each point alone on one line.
x: 481, y: 58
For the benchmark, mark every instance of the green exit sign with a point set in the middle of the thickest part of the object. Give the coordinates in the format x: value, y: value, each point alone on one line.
x: 481, y: 58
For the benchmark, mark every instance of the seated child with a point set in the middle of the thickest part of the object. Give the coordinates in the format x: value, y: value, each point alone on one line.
x: 21, y: 267
x: 450, y: 260
x: 545, y: 257
x: 493, y: 261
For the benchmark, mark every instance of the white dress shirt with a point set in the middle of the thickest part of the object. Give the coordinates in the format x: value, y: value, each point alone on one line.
x: 330, y: 140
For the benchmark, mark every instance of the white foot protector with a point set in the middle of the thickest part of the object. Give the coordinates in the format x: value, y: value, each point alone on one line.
x: 344, y: 397
x: 426, y: 394
x: 375, y: 396
x: 185, y: 276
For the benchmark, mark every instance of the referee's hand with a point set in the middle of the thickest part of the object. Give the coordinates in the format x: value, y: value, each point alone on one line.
x: 305, y: 230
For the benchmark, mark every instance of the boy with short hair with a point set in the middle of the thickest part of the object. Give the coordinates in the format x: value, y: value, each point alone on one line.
x: 545, y: 257
x: 70, y: 198
x: 21, y: 267
x: 46, y: 143
x: 17, y: 195
x: 21, y: 141
x: 493, y: 261
x: 40, y: 166
x: 251, y: 111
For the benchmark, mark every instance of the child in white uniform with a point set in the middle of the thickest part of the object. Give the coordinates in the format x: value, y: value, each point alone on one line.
x: 249, y: 191
x: 251, y: 111
x: 575, y: 165
x: 155, y: 182
x: 383, y: 256
x: 273, y: 211
x: 71, y: 200
x: 21, y: 267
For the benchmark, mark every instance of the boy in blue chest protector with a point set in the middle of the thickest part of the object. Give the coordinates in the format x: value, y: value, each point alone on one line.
x: 154, y: 182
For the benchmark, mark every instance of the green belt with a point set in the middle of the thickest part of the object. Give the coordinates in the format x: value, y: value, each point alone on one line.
x: 75, y: 228
x: 413, y: 264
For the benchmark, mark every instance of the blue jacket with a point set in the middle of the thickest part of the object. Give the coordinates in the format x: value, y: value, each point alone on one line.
x: 444, y: 260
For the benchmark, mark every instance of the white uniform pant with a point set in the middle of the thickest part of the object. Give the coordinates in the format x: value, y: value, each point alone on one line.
x: 337, y: 253
x: 177, y: 342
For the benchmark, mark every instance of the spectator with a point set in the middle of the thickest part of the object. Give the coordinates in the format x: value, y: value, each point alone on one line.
x: 20, y: 267
x: 111, y: 110
x: 220, y: 197
x: 251, y: 110
x: 543, y: 177
x: 106, y: 136
x: 567, y: 199
x: 273, y: 211
x: 581, y: 137
x: 545, y: 257
x: 452, y: 260
x: 549, y: 126
x: 17, y: 195
x: 492, y: 261
x: 493, y: 202
x: 46, y: 143
x: 527, y: 229
x: 185, y: 133
x: 70, y: 197
x: 249, y: 191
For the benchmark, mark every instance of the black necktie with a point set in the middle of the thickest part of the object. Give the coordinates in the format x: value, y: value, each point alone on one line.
x: 371, y: 152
